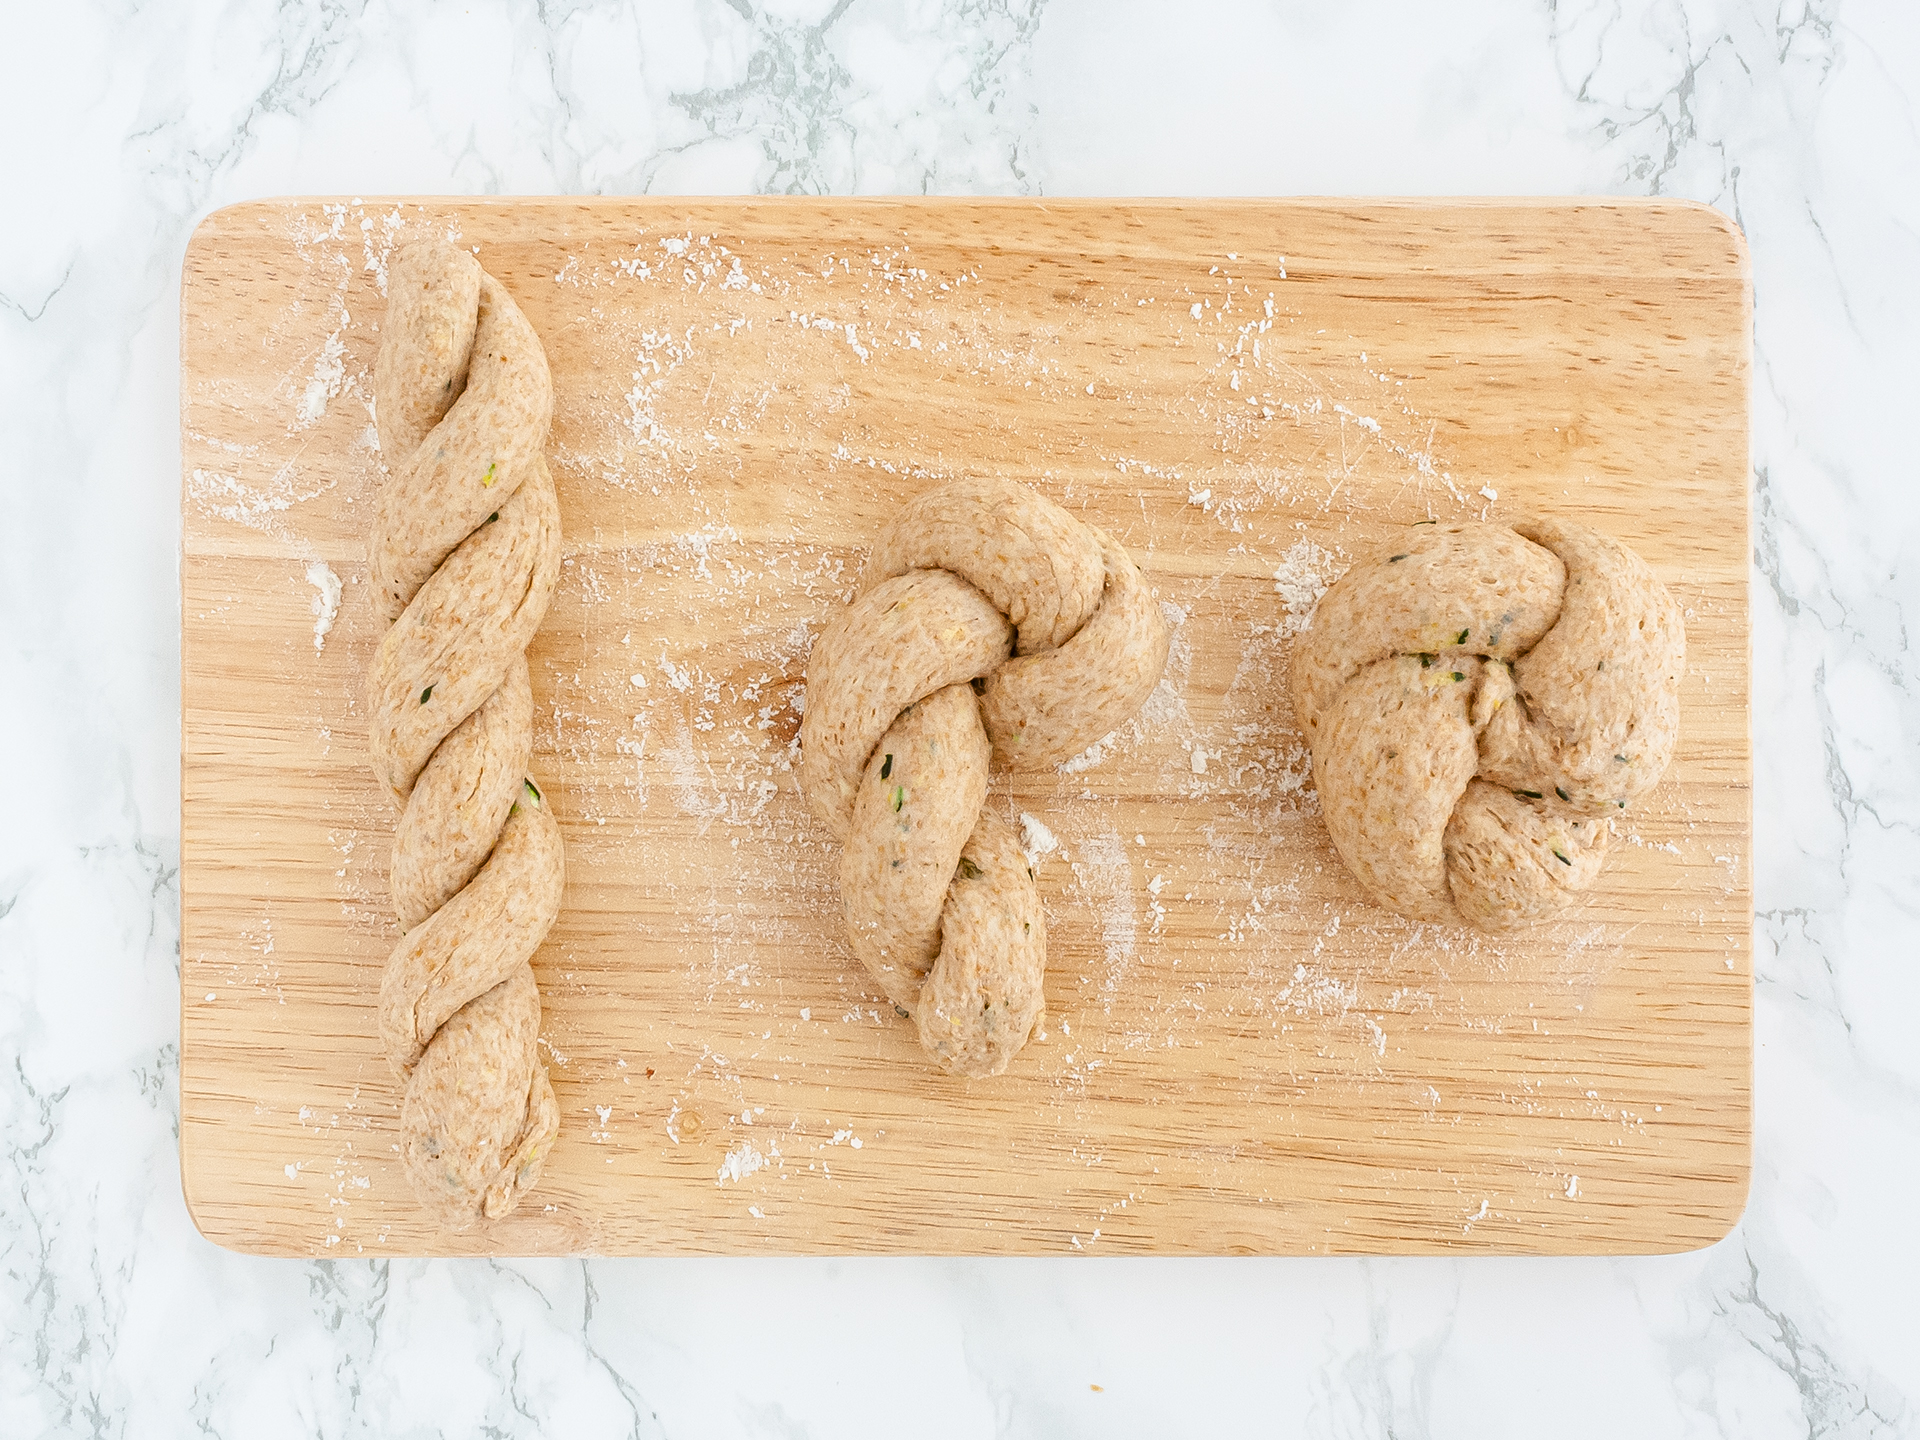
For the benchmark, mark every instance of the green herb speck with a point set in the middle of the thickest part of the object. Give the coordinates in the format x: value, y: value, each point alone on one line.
x: 900, y: 1010
x: 1560, y: 790
x: 426, y: 694
x: 886, y: 767
x: 1458, y: 677
x: 1425, y: 661
x: 493, y: 517
x: 486, y: 480
x: 1395, y: 559
x: 1561, y: 858
x: 1461, y: 638
x: 1528, y: 794
x: 899, y: 796
x: 1621, y: 759
x: 533, y: 790
x: 968, y: 870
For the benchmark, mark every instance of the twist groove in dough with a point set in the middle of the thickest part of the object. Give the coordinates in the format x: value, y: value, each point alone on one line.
x: 991, y: 625
x: 464, y: 556
x: 1479, y: 700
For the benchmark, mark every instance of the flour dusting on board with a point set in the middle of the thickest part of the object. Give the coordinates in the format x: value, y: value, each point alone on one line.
x: 326, y: 600
x: 328, y: 378
x: 732, y: 424
x: 741, y: 1161
x: 1036, y: 840
x: 1301, y: 579
x: 1104, y: 869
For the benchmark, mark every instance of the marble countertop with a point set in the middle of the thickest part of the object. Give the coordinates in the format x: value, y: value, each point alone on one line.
x: 1797, y: 117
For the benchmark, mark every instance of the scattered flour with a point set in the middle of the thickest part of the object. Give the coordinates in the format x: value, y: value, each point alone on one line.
x: 228, y: 496
x: 1036, y: 839
x: 1087, y: 758
x: 741, y: 1162
x: 1303, y: 576
x: 1105, y: 873
x: 329, y: 375
x: 326, y: 603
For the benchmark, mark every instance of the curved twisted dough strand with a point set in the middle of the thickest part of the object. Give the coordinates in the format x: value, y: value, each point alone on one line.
x: 1478, y: 700
x: 897, y: 864
x: 465, y: 555
x: 1034, y: 562
x: 1042, y: 709
x: 895, y: 743
x: 899, y: 642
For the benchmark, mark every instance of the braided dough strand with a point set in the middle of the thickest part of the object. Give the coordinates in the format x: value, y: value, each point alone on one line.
x: 464, y: 557
x: 993, y: 627
x: 1479, y: 700
x: 498, y: 421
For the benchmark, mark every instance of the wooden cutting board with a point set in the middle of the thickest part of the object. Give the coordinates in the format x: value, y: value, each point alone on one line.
x: 1242, y: 1054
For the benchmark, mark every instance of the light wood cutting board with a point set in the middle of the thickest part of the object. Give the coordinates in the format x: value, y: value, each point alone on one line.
x: 1242, y: 1055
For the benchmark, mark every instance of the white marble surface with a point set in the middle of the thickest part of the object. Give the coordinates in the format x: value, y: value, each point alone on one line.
x: 124, y: 125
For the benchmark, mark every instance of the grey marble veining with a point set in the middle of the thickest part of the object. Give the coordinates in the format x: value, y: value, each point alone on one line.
x: 126, y: 124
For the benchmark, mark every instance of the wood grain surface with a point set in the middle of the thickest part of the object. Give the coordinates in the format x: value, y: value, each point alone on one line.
x: 1241, y: 1054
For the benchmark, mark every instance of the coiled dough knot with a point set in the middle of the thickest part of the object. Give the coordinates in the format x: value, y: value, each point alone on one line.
x: 1479, y: 700
x: 464, y: 555
x: 991, y: 624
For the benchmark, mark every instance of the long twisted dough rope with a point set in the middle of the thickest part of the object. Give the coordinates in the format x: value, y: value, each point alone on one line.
x: 465, y: 553
x: 991, y: 624
x: 1478, y: 701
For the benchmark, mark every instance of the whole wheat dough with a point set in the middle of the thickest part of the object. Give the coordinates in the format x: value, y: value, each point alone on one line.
x: 1479, y: 701
x: 464, y: 556
x: 992, y: 626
